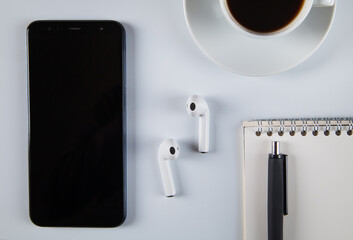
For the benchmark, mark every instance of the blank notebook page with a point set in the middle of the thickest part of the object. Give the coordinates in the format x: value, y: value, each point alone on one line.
x: 320, y: 185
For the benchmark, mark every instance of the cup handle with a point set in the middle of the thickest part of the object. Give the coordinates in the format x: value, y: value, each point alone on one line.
x: 323, y: 3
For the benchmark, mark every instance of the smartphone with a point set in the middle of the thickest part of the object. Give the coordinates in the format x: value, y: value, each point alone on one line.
x: 76, y: 95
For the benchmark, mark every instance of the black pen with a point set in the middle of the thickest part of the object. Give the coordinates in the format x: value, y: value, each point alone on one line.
x: 277, y: 192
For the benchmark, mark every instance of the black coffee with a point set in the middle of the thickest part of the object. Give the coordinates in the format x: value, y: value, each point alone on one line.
x: 264, y: 16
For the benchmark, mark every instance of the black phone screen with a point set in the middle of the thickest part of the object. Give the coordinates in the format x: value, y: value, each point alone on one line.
x: 76, y: 123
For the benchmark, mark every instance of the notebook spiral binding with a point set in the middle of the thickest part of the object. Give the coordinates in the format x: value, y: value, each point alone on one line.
x: 303, y: 125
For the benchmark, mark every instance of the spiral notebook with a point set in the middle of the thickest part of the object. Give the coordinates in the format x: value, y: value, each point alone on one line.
x: 319, y: 180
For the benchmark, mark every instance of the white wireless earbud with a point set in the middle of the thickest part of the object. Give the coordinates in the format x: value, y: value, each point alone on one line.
x: 197, y: 106
x: 168, y: 150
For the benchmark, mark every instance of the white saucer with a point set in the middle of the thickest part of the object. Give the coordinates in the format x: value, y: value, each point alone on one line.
x: 249, y: 56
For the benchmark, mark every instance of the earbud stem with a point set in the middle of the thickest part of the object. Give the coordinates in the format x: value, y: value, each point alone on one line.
x: 204, y: 132
x: 167, y: 177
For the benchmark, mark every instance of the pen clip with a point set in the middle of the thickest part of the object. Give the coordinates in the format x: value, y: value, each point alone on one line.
x: 285, y: 190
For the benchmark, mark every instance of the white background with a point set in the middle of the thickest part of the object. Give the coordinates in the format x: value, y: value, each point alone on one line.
x: 164, y: 67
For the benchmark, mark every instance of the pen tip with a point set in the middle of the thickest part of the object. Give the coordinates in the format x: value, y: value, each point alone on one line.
x: 275, y: 148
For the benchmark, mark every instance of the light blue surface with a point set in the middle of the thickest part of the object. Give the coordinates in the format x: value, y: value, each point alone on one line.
x: 164, y: 68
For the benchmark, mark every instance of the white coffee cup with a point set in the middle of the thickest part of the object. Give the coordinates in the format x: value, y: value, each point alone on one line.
x: 307, y: 5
